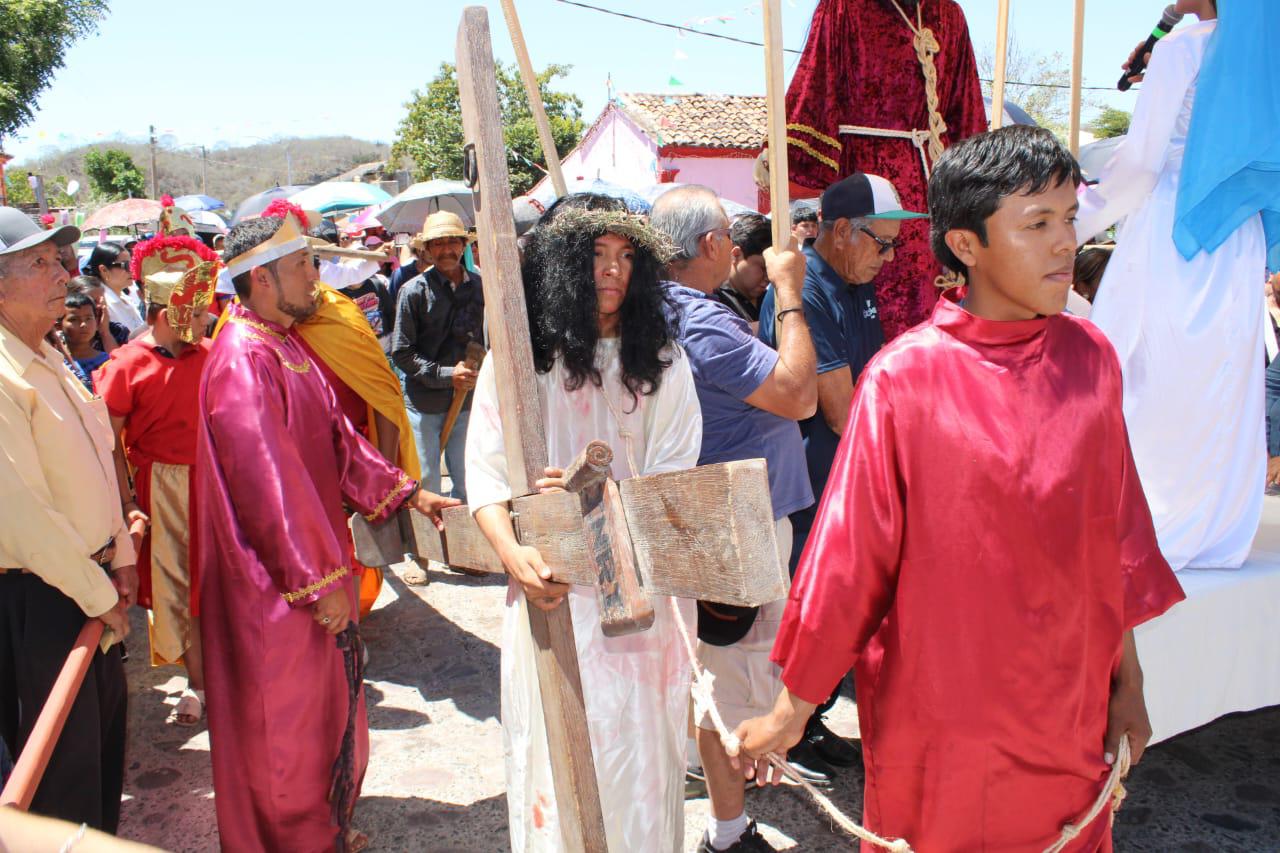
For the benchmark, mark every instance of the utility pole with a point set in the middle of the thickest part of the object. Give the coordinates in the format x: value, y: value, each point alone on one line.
x: 37, y: 188
x: 204, y: 170
x: 154, y: 177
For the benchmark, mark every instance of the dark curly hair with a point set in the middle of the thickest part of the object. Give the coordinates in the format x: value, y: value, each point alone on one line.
x: 560, y: 291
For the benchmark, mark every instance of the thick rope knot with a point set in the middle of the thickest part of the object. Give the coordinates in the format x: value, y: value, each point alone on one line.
x: 927, y: 47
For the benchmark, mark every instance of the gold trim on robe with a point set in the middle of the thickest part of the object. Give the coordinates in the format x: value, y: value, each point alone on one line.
x: 298, y: 594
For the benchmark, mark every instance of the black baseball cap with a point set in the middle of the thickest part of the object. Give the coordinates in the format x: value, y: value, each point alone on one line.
x: 19, y: 231
x: 862, y: 196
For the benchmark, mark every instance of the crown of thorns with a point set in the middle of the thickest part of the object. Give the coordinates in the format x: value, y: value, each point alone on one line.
x: 574, y: 221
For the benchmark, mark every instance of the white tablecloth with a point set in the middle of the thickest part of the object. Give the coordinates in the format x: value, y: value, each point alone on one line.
x: 1218, y: 652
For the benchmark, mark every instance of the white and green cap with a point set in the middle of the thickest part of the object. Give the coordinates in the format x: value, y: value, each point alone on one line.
x: 862, y: 196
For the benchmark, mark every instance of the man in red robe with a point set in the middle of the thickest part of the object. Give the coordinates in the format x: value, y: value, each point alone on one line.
x: 276, y: 459
x: 883, y: 86
x: 983, y: 549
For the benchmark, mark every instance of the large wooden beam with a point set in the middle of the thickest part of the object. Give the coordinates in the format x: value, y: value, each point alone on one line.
x: 524, y: 437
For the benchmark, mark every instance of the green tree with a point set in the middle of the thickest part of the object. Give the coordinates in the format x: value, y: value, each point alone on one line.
x: 113, y: 174
x: 1111, y: 122
x: 17, y: 190
x: 34, y: 37
x: 1039, y: 84
x: 431, y: 131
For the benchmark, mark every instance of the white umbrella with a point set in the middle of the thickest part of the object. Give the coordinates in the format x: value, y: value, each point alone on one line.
x: 405, y: 213
x: 1094, y: 156
x: 208, y: 221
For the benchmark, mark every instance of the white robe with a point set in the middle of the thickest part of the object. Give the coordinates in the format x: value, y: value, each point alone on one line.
x: 636, y: 688
x: 1189, y: 334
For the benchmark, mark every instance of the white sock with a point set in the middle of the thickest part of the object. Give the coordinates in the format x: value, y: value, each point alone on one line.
x: 725, y: 833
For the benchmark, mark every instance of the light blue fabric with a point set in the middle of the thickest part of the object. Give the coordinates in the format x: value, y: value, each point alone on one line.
x: 1232, y: 167
x: 426, y: 433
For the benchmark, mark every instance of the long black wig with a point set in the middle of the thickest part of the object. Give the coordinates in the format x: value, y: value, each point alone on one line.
x: 560, y: 292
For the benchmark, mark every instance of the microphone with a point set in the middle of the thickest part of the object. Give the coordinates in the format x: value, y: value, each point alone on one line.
x: 1168, y: 21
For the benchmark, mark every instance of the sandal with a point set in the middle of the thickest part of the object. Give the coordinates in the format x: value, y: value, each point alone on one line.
x: 189, y: 710
x: 356, y: 841
x: 416, y: 574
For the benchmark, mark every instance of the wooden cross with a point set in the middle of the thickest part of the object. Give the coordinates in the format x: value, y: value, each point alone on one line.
x: 705, y: 533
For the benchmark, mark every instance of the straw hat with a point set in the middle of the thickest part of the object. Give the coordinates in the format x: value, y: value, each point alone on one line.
x: 440, y: 224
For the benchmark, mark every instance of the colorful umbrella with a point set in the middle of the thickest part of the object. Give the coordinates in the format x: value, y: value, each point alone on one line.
x: 255, y: 204
x: 405, y: 213
x: 191, y: 203
x: 337, y: 196
x: 124, y: 214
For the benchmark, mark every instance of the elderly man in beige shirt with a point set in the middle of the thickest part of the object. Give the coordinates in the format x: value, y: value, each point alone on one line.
x: 65, y: 554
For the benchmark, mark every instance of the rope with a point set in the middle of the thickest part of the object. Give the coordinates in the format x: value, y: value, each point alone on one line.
x: 915, y: 137
x: 1113, y: 793
x: 704, y: 702
x: 704, y: 699
x: 926, y: 45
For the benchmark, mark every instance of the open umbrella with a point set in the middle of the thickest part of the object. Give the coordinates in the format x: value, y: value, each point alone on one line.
x: 1096, y: 155
x: 207, y: 222
x: 255, y: 204
x: 123, y: 214
x: 337, y: 196
x: 636, y: 203
x: 405, y: 213
x: 1013, y: 114
x: 191, y: 203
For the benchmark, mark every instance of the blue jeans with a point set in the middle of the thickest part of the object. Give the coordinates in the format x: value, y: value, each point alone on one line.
x: 426, y: 433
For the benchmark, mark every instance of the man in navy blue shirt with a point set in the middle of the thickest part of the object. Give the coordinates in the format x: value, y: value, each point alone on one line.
x: 860, y: 219
x: 751, y: 397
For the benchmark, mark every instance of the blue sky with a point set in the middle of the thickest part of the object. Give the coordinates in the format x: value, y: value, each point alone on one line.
x: 244, y: 69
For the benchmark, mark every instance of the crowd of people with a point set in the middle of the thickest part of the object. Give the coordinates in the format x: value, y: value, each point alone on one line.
x: 190, y: 431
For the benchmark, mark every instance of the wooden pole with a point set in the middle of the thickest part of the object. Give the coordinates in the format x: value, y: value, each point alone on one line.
x: 31, y: 764
x: 1077, y: 60
x: 1002, y: 57
x: 775, y: 95
x: 530, y: 79
x: 524, y: 436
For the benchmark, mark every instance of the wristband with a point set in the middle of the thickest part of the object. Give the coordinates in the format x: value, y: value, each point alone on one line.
x: 784, y: 312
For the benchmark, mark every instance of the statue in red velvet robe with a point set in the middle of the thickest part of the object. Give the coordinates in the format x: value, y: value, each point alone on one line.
x: 861, y: 77
x: 276, y: 459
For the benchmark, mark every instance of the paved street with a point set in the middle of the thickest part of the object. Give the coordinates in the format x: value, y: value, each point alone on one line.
x: 435, y: 777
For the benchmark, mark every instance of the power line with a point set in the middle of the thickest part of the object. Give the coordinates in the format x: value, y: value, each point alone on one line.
x: 750, y: 43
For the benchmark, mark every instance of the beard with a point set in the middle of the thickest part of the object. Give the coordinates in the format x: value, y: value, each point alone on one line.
x: 298, y: 312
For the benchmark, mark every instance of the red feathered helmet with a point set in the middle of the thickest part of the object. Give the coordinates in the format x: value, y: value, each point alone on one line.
x: 180, y: 274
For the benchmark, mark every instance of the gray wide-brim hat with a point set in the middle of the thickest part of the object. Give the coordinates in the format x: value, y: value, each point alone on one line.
x: 19, y: 231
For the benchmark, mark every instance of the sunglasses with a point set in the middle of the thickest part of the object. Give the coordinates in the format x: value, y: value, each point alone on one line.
x: 886, y: 246
x: 120, y: 265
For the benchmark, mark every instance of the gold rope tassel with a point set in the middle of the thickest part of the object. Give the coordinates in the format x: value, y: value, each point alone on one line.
x: 926, y: 45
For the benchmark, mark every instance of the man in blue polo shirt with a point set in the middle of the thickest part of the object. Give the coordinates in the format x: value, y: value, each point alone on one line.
x: 860, y: 219
x: 751, y: 397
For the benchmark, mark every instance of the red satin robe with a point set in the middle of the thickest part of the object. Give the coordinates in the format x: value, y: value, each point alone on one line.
x: 981, y: 548
x: 275, y: 459
x: 859, y: 68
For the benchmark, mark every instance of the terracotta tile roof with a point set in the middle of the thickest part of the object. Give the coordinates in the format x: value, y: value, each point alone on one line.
x: 700, y: 121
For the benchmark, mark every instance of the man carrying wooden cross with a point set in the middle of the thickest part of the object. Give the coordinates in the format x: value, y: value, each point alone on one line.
x: 608, y: 369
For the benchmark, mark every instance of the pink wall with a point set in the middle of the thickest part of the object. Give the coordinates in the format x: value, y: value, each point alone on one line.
x: 615, y: 150
x: 728, y: 176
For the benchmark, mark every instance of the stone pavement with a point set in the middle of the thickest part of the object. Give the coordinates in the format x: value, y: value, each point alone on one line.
x: 435, y: 780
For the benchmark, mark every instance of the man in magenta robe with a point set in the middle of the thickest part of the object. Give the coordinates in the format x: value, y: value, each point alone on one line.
x: 983, y: 549
x: 276, y: 459
x: 860, y: 102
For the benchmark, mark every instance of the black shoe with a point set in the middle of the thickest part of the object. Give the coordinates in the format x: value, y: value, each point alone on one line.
x: 804, y: 759
x: 831, y: 748
x: 750, y: 841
